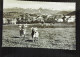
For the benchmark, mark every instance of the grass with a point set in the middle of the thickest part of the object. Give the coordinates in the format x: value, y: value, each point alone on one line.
x: 51, y: 38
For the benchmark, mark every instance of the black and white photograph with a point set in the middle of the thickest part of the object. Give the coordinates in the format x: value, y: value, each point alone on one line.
x: 35, y: 24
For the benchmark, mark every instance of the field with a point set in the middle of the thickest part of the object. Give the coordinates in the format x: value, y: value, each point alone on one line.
x: 51, y: 38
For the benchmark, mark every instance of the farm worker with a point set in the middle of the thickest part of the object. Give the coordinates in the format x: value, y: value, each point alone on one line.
x: 32, y: 33
x: 20, y: 26
x: 24, y: 29
x: 20, y: 29
x: 35, y: 33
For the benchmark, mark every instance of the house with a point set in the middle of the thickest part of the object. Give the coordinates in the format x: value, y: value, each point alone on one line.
x: 59, y: 20
x: 72, y: 19
x: 40, y: 18
x: 5, y: 21
x: 14, y: 21
x: 10, y: 17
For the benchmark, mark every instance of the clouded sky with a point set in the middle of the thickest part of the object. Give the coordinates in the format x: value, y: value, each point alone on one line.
x: 36, y: 5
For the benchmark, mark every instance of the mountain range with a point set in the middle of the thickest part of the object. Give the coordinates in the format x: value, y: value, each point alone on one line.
x: 38, y: 11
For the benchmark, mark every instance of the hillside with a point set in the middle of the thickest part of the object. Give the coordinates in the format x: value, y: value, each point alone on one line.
x: 39, y: 11
x: 72, y: 13
x: 64, y: 12
x: 13, y: 10
x: 28, y: 10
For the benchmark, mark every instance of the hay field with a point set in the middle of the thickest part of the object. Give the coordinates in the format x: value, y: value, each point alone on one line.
x: 51, y: 38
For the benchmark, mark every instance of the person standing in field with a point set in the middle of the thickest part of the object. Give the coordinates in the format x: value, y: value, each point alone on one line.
x: 35, y: 33
x: 22, y: 28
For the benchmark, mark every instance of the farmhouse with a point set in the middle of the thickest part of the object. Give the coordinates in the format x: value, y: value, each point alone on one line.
x: 10, y: 17
x: 40, y: 18
x: 72, y: 19
x: 9, y: 21
x: 5, y: 21
x: 58, y: 18
x: 14, y: 21
x: 68, y: 18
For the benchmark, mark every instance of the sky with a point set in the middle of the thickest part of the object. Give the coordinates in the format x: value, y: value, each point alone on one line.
x: 37, y: 5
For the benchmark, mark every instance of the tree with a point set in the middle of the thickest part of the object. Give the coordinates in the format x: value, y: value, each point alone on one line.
x: 44, y: 17
x: 68, y: 18
x: 64, y: 18
x: 8, y: 21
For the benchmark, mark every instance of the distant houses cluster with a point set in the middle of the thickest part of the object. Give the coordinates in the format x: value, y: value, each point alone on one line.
x: 18, y: 18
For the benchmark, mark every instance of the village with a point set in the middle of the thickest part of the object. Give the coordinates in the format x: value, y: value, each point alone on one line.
x: 19, y: 17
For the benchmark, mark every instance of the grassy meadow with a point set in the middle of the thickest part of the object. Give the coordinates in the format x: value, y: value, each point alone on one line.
x: 51, y: 37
